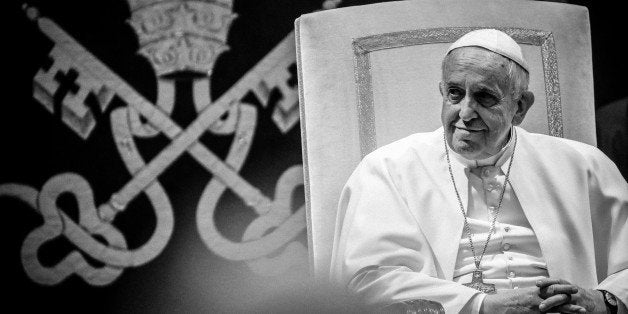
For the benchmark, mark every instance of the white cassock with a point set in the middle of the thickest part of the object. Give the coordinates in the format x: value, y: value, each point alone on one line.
x: 400, y: 226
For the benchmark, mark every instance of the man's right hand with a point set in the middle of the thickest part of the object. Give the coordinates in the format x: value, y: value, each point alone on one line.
x: 525, y: 300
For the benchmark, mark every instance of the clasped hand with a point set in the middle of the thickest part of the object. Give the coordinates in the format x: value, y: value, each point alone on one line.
x: 549, y: 295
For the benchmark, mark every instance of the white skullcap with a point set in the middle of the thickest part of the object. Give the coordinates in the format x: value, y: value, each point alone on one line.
x: 493, y: 40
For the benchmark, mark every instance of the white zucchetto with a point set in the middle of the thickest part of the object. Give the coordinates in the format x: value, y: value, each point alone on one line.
x: 493, y: 40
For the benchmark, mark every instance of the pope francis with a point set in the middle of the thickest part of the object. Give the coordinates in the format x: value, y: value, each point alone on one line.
x: 480, y: 215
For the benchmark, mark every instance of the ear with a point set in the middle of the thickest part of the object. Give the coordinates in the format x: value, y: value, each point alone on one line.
x: 523, y: 105
x: 440, y: 88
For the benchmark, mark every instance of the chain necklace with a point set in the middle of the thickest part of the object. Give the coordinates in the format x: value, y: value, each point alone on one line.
x: 477, y: 277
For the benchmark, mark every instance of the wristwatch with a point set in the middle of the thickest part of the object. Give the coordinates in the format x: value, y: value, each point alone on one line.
x: 611, y: 301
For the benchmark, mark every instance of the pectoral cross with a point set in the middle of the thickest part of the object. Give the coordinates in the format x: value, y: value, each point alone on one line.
x: 478, y: 284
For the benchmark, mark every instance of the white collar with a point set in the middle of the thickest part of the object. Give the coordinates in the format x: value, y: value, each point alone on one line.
x: 497, y: 160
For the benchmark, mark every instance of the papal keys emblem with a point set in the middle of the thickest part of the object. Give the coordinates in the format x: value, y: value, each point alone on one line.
x: 175, y: 36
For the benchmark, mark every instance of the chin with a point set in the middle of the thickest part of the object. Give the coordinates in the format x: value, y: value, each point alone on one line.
x: 467, y: 150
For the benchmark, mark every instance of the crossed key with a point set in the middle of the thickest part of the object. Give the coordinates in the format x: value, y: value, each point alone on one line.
x: 69, y: 54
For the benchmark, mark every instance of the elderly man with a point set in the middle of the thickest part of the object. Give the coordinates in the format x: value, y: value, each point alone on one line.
x: 480, y: 215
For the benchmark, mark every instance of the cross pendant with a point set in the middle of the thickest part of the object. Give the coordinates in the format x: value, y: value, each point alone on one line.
x: 478, y: 284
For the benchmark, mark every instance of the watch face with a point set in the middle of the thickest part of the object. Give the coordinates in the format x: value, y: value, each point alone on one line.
x: 610, y: 298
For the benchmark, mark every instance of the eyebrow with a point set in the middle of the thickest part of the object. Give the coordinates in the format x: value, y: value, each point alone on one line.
x: 481, y: 87
x: 451, y: 83
x: 493, y: 92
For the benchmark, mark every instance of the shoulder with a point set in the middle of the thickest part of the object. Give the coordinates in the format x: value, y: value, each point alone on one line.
x: 564, y: 150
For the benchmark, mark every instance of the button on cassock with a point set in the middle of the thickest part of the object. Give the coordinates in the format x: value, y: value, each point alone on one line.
x: 506, y: 246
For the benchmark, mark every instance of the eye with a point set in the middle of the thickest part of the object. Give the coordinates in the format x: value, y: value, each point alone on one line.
x: 455, y: 94
x: 486, y: 99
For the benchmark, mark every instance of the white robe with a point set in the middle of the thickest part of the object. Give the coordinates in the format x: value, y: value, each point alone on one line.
x: 399, y: 222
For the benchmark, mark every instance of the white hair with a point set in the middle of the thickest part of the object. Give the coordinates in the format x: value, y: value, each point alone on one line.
x: 519, y: 78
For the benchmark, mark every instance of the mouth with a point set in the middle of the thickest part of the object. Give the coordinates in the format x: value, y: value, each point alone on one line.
x: 470, y: 130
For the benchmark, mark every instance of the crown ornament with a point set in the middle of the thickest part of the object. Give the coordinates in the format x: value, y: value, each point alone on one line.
x: 181, y: 35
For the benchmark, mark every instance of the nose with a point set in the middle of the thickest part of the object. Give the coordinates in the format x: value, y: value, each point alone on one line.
x: 467, y: 109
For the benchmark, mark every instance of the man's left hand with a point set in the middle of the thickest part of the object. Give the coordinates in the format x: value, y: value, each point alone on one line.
x: 589, y: 300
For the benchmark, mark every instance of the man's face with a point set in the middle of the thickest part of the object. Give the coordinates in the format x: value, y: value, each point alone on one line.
x: 478, y: 105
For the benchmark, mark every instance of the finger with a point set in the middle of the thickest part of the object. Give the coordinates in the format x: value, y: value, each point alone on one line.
x: 553, y: 301
x: 550, y: 281
x: 549, y: 291
x: 571, y: 308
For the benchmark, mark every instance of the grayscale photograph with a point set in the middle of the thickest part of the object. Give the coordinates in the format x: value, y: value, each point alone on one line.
x: 315, y: 156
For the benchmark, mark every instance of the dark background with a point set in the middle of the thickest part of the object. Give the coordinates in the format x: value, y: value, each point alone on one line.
x: 187, y: 276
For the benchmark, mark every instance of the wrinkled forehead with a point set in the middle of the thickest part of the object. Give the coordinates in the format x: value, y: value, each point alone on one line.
x: 477, y: 63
